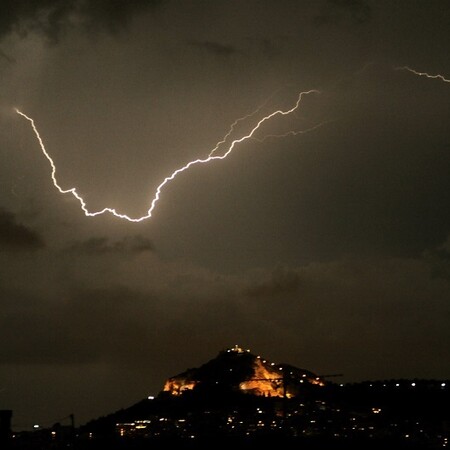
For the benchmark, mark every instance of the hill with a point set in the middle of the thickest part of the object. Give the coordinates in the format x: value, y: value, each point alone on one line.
x: 243, y: 399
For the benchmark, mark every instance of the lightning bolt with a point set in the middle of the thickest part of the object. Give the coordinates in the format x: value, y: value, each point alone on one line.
x: 211, y: 157
x: 291, y: 132
x: 234, y: 124
x: 423, y: 74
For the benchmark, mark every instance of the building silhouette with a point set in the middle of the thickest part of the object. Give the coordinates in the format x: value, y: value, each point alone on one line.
x: 5, y: 428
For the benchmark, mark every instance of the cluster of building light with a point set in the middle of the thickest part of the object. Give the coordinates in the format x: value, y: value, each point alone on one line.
x: 306, y: 420
x: 406, y: 383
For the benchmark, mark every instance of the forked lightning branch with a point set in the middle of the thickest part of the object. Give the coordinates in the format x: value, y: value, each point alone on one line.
x: 213, y: 156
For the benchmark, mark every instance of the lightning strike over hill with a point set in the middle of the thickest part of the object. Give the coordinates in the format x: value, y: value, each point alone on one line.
x: 211, y: 157
x: 424, y: 74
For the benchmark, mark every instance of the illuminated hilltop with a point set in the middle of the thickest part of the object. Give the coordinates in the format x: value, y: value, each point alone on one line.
x: 240, y: 370
x: 241, y: 399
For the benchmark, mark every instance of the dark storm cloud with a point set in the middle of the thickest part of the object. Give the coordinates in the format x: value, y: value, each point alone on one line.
x: 387, y: 306
x: 102, y: 245
x: 103, y: 324
x: 390, y: 307
x: 336, y: 10
x: 53, y: 17
x: 215, y: 48
x: 379, y: 183
x: 15, y: 236
x: 115, y: 325
x: 439, y: 260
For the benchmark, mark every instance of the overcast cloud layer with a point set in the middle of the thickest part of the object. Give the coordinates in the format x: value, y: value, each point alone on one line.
x: 327, y: 249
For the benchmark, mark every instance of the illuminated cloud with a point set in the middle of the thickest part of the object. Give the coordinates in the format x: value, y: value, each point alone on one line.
x: 53, y: 17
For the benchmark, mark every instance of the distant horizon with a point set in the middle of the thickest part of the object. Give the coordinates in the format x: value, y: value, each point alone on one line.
x: 32, y: 427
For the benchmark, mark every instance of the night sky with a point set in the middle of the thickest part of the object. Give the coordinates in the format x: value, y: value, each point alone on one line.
x: 327, y: 249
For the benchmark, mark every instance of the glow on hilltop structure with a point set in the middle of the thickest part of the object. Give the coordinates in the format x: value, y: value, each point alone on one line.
x: 263, y: 378
x: 211, y: 157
